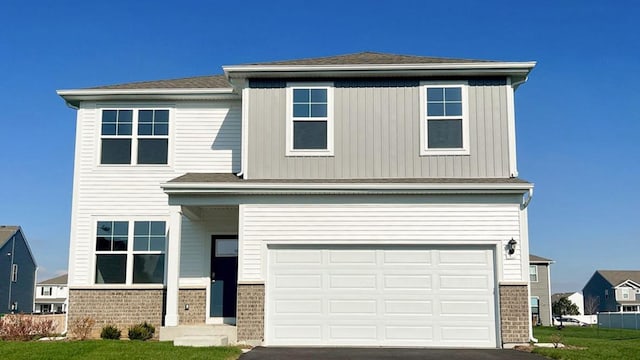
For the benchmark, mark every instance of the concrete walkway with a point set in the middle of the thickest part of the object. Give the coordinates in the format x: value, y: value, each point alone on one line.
x: 291, y: 353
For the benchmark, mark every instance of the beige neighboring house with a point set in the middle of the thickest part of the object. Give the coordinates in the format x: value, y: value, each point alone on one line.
x: 540, y: 285
x: 52, y: 296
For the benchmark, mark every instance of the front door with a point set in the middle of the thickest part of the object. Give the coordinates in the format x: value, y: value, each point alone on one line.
x: 224, y: 277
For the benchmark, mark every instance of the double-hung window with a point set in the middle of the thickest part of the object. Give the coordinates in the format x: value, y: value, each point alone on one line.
x: 134, y: 136
x: 533, y: 273
x: 130, y: 252
x: 310, y: 119
x: 444, y: 122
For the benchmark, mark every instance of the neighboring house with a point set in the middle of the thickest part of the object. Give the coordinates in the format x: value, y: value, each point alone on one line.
x: 357, y: 200
x: 574, y: 297
x: 52, y: 295
x: 613, y: 290
x: 540, y: 282
x: 17, y: 271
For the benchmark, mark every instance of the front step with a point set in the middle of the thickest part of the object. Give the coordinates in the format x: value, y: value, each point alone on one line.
x: 201, y: 341
x: 170, y: 333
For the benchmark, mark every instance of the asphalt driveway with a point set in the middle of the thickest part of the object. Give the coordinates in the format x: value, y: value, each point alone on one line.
x: 291, y: 353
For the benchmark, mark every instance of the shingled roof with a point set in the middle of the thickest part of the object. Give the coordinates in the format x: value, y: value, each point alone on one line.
x: 196, y: 82
x: 617, y: 277
x: 58, y: 280
x: 369, y: 57
x: 538, y: 259
x: 6, y: 232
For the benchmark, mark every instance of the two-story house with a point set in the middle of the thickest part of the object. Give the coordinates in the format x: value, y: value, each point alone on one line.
x: 612, y: 290
x: 540, y: 289
x: 358, y: 200
x: 17, y: 271
x: 52, y: 295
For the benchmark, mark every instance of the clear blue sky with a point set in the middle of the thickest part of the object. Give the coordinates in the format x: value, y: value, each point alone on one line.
x: 578, y: 117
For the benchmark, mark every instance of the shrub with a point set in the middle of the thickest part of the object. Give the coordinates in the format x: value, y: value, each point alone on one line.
x: 142, y: 331
x: 81, y: 328
x: 110, y: 332
x: 23, y: 327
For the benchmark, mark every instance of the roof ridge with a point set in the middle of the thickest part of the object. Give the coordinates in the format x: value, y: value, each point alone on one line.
x: 143, y: 82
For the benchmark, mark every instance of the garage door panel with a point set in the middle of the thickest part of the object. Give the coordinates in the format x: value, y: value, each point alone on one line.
x: 464, y: 258
x: 369, y: 296
x: 298, y: 256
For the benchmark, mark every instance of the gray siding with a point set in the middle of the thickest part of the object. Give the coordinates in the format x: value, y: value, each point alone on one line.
x: 540, y: 289
x: 23, y: 290
x: 377, y: 134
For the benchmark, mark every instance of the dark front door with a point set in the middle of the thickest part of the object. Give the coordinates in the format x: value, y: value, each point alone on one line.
x: 224, y: 276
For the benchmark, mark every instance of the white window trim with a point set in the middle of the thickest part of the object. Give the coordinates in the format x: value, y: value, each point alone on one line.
x: 290, y: 151
x: 465, y: 150
x: 134, y: 134
x: 536, y: 273
x: 129, y: 252
x: 14, y: 273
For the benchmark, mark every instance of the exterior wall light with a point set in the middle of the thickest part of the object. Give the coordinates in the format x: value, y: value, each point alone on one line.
x: 511, y: 246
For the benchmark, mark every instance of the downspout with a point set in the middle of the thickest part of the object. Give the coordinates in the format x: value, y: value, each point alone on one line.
x: 244, y: 132
x: 526, y: 200
x: 13, y: 253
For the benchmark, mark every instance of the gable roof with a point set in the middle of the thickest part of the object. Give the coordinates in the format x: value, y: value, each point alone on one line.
x: 539, y: 259
x: 6, y: 232
x: 617, y: 277
x: 370, y: 57
x: 58, y: 280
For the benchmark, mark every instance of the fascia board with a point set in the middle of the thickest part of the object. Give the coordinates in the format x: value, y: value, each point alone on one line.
x: 192, y: 91
x: 372, y: 188
x: 73, y: 97
x: 500, y: 66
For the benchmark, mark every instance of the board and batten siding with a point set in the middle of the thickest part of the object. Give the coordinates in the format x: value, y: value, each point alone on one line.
x: 203, y: 137
x: 383, y: 224
x: 377, y: 134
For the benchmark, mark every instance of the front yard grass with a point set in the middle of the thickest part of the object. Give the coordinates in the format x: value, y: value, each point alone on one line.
x: 111, y: 349
x: 586, y: 343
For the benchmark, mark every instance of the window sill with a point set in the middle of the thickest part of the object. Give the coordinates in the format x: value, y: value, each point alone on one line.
x: 121, y: 286
x: 305, y: 153
x: 454, y: 152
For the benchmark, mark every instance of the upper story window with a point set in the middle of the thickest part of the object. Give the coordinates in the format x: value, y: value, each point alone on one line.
x: 310, y: 119
x: 14, y: 273
x: 130, y: 252
x: 533, y: 273
x: 444, y: 121
x: 134, y: 136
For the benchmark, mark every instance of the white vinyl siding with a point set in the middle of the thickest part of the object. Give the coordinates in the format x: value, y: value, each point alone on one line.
x: 206, y: 138
x: 378, y: 224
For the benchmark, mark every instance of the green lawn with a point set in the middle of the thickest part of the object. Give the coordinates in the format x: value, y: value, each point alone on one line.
x: 590, y: 343
x: 111, y: 349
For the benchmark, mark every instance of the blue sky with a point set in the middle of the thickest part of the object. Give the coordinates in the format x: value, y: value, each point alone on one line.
x: 577, y: 117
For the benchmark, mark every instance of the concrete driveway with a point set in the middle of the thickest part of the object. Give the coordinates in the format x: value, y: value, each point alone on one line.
x: 291, y: 353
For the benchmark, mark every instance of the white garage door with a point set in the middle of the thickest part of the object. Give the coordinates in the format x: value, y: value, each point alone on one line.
x: 380, y: 296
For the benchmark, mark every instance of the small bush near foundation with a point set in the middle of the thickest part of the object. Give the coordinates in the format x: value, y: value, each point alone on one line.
x: 81, y: 328
x: 110, y: 332
x: 142, y: 331
x: 23, y: 327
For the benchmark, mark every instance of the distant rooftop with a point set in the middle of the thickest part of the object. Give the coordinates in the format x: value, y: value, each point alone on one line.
x: 6, y: 232
x: 58, y: 280
x: 617, y: 277
x: 538, y: 259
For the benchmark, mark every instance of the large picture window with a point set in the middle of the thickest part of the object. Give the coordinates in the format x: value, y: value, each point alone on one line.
x: 138, y: 136
x: 310, y: 120
x: 445, y: 123
x: 130, y: 252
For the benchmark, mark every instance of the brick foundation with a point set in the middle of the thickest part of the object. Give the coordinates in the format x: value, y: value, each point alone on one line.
x: 514, y: 314
x: 250, y: 313
x: 197, y: 301
x: 121, y: 308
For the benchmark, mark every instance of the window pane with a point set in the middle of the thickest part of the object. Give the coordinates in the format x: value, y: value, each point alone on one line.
x: 162, y: 116
x: 453, y: 109
x: 161, y: 129
x: 309, y: 134
x: 145, y: 129
x: 300, y: 95
x: 104, y: 228
x: 116, y: 151
x: 121, y: 228
x: 111, y: 269
x: 300, y: 110
x: 109, y: 116
x: 152, y: 151
x: 158, y: 228
x: 141, y: 243
x: 148, y: 269
x: 444, y: 134
x: 141, y: 228
x: 319, y: 95
x: 145, y: 116
x: 108, y: 129
x: 318, y: 110
x: 453, y: 94
x: 125, y: 116
x: 103, y: 243
x: 435, y: 109
x: 120, y: 244
x: 124, y: 129
x: 157, y: 243
x: 435, y: 94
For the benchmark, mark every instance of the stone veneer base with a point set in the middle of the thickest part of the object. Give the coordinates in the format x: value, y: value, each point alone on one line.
x: 250, y: 313
x: 196, y: 299
x: 514, y: 314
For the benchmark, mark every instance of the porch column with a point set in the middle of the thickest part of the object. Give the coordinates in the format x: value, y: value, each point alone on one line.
x: 173, y: 265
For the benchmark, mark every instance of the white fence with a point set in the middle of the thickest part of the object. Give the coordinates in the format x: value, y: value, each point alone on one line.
x: 617, y: 320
